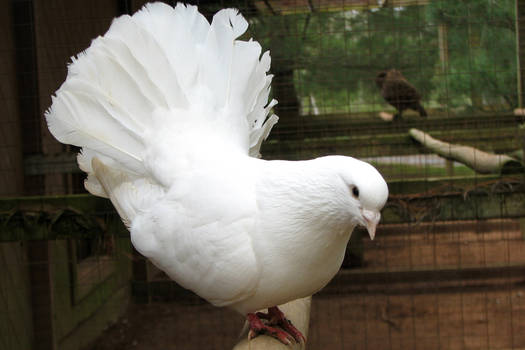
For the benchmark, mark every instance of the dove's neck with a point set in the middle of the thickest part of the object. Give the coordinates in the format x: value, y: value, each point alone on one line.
x: 306, y: 194
x: 306, y: 203
x: 303, y: 228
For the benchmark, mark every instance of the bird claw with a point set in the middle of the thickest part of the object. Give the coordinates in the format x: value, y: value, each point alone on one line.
x: 287, y: 335
x: 273, y: 332
x: 294, y: 332
x: 277, y: 317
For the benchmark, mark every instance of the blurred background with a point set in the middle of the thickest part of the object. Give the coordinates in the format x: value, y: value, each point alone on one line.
x: 447, y: 267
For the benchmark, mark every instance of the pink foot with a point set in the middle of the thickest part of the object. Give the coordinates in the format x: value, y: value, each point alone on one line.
x: 286, y: 334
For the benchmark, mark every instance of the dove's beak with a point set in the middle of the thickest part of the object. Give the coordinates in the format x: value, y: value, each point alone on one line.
x: 371, y: 220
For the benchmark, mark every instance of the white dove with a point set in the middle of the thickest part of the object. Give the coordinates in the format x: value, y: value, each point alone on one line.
x: 170, y: 112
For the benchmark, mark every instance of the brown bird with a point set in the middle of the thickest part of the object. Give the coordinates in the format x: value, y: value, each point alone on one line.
x: 398, y: 92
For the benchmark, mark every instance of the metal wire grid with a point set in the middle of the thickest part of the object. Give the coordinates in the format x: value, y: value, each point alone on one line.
x: 463, y: 287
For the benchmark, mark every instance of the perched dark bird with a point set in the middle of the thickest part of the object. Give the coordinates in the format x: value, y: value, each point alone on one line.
x: 398, y: 92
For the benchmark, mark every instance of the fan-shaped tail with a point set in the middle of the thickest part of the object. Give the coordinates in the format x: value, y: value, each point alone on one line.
x: 161, y: 58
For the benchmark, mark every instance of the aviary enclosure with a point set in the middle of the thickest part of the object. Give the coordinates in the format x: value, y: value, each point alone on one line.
x: 447, y: 267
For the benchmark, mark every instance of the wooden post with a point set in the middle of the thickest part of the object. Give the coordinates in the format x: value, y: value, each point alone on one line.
x: 520, y: 49
x: 40, y: 272
x: 298, y: 312
x: 443, y: 47
x: 29, y: 118
x: 443, y: 58
x: 11, y: 177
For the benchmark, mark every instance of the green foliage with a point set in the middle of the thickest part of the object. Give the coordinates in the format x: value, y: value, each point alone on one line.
x: 482, y: 54
x: 336, y: 55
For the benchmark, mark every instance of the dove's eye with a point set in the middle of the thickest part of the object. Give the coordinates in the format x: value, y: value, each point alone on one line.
x: 355, y: 191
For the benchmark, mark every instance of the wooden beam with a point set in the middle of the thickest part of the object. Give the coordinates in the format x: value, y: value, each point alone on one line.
x: 425, y: 280
x: 343, y: 134
x: 362, y: 144
x: 520, y: 46
x: 438, y: 199
x: 366, y: 124
x: 454, y: 199
x: 305, y: 6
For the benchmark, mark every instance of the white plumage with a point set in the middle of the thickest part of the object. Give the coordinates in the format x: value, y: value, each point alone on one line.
x: 170, y: 113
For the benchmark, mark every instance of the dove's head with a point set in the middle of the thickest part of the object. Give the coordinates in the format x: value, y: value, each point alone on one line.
x: 362, y: 191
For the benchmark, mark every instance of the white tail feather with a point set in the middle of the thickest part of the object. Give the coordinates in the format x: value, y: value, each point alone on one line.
x: 168, y: 59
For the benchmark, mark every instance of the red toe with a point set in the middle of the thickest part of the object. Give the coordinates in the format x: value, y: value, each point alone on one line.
x: 286, y: 334
x: 277, y: 318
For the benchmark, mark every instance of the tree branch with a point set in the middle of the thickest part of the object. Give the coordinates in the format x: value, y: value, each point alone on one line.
x: 478, y: 160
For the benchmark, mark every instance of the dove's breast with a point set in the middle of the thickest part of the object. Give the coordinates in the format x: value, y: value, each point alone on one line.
x: 300, y: 235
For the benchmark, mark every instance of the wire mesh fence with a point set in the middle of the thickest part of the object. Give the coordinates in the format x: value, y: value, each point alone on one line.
x: 447, y: 267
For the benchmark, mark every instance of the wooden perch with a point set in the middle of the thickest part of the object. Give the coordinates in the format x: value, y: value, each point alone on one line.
x: 519, y: 111
x: 297, y: 311
x: 480, y: 161
x: 387, y: 117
